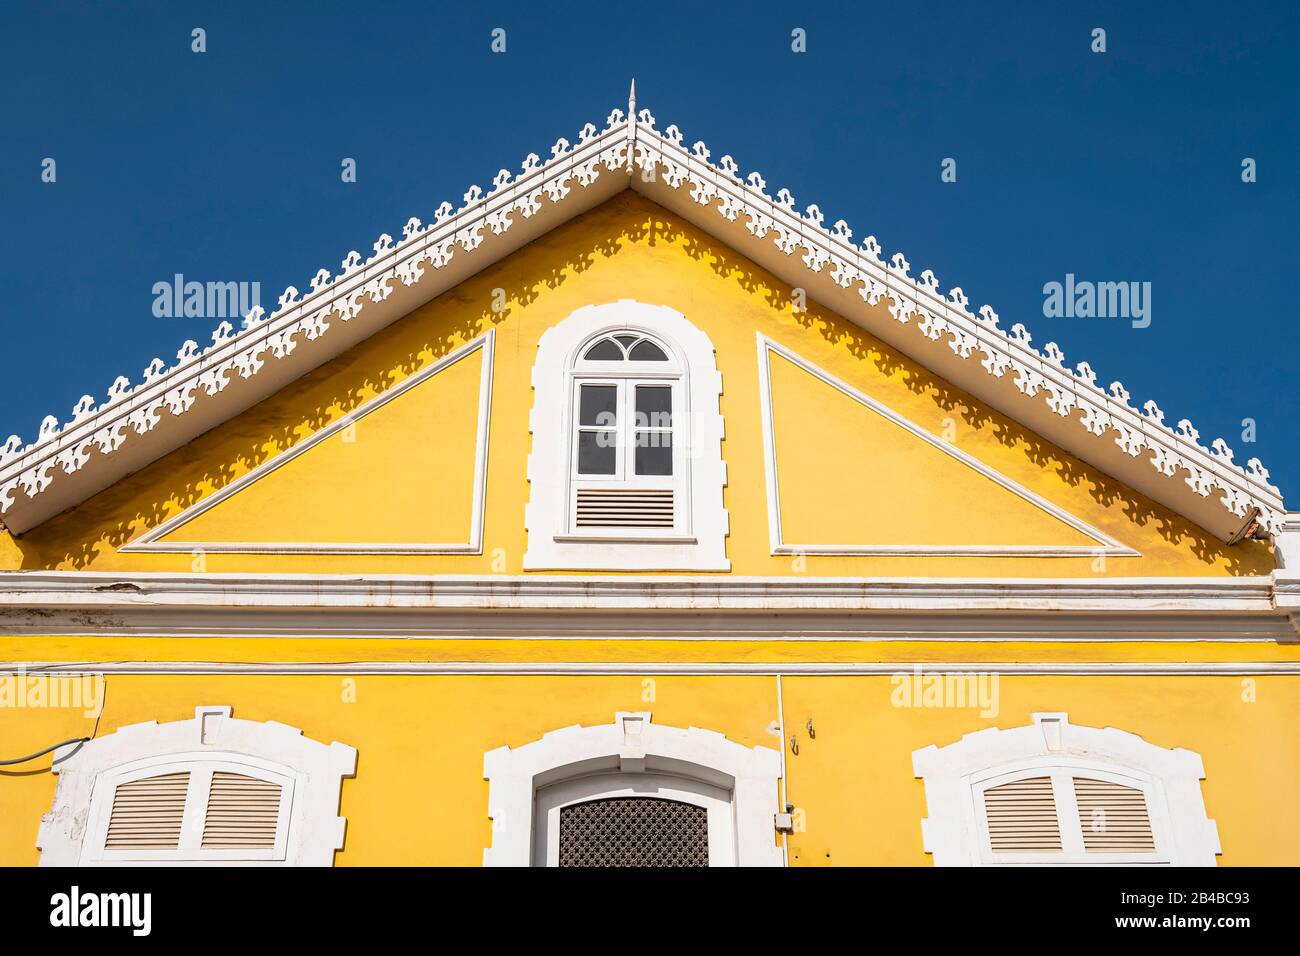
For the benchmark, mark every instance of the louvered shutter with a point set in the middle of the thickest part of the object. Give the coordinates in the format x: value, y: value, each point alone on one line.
x: 1113, y: 817
x: 1021, y: 816
x: 243, y: 812
x: 147, y: 813
x: 624, y: 508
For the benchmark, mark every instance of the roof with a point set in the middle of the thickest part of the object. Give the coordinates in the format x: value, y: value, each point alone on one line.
x: 174, y: 403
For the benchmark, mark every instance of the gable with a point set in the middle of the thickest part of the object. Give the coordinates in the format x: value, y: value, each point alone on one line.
x: 137, y: 424
x: 627, y: 248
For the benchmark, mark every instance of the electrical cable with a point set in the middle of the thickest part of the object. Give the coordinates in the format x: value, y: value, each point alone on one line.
x: 41, y: 753
x: 73, y: 740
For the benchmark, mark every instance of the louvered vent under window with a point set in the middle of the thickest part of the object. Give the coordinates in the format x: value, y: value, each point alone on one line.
x: 1113, y: 817
x: 242, y: 812
x: 634, y: 831
x: 147, y: 813
x: 624, y: 508
x: 1022, y: 816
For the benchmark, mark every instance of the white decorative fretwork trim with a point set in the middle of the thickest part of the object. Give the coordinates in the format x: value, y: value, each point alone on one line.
x: 631, y: 149
x: 315, y: 830
x: 862, y: 269
x: 1106, y: 545
x: 151, y: 540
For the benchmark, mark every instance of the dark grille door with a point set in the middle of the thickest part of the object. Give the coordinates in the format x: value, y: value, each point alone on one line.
x: 634, y: 831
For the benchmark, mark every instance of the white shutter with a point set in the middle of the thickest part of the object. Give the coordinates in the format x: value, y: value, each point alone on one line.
x: 1113, y: 817
x: 243, y: 812
x: 1021, y: 817
x: 147, y: 813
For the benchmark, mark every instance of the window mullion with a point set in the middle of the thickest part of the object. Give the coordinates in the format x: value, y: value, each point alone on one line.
x: 626, y: 429
x: 1067, y: 814
x: 196, y: 809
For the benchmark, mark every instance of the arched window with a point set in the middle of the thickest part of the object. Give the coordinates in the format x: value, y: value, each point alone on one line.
x: 209, y: 791
x: 624, y: 464
x: 632, y: 793
x: 1056, y: 793
x: 626, y: 469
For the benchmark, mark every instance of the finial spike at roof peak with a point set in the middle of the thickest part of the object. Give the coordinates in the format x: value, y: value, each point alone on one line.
x: 631, y: 100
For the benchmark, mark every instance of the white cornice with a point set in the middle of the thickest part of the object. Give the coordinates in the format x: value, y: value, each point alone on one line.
x: 38, y: 592
x: 138, y: 424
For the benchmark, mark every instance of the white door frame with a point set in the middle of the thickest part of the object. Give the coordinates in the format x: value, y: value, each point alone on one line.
x: 632, y: 745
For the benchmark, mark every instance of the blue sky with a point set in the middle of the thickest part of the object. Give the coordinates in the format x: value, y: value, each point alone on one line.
x: 225, y: 166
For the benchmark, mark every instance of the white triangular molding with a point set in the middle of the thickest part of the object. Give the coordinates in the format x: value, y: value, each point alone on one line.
x: 150, y: 542
x: 1106, y: 545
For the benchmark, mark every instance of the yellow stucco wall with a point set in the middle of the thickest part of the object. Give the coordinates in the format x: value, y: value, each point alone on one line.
x: 419, y: 798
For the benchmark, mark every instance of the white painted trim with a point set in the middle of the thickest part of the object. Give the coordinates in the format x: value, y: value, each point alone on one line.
x: 1170, y: 779
x: 118, y: 590
x: 1106, y: 545
x: 698, y: 542
x: 49, y: 603
x: 632, y: 744
x: 150, y: 541
x: 678, y: 668
x: 88, y: 771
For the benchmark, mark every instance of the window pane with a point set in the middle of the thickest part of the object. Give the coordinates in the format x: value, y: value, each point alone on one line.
x: 647, y: 352
x: 596, y: 453
x: 626, y: 340
x: 654, y: 406
x: 599, y: 406
x: 606, y: 350
x: 654, y: 453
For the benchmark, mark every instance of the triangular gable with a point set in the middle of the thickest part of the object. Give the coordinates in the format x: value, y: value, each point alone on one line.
x: 306, y: 500
x: 918, y: 494
x: 138, y: 424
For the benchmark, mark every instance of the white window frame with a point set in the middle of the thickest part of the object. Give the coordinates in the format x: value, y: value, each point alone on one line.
x: 1062, y: 772
x: 955, y: 776
x: 551, y: 800
x: 632, y: 755
x: 200, y: 766
x: 697, y: 540
x: 309, y: 829
x: 626, y: 376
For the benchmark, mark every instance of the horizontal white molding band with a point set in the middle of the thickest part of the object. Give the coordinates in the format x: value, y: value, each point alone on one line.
x: 647, y: 625
x: 658, y: 668
x: 91, y: 589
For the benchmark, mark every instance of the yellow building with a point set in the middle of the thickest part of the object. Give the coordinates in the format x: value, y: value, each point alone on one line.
x: 627, y: 514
